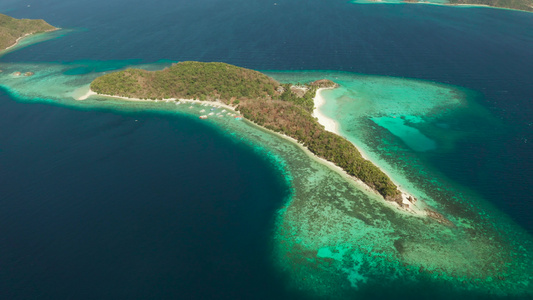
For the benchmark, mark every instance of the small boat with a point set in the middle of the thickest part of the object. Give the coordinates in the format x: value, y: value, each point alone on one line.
x: 203, y: 117
x: 238, y: 117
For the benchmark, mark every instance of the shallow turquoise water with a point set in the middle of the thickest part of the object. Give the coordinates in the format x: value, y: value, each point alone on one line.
x: 334, y: 236
x: 412, y: 137
x: 396, y: 123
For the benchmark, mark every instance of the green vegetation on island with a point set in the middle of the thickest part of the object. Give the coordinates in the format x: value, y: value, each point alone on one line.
x: 188, y: 80
x: 283, y: 108
x: 526, y: 5
x: 12, y: 29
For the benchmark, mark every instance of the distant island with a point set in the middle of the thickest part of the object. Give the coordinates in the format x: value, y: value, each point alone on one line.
x: 526, y: 5
x: 283, y: 108
x: 12, y: 30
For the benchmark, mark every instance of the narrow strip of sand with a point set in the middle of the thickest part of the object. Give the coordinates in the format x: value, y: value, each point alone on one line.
x: 333, y: 126
x: 329, y: 124
x: 17, y: 41
x: 90, y: 93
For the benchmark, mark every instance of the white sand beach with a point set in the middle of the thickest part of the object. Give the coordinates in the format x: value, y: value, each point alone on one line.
x: 16, y: 41
x: 90, y: 93
x: 331, y: 125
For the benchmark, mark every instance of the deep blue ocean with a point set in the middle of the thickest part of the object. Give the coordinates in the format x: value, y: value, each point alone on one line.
x: 109, y: 205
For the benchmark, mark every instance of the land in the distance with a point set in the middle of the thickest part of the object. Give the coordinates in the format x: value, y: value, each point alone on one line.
x: 524, y: 5
x: 12, y: 30
x: 283, y: 108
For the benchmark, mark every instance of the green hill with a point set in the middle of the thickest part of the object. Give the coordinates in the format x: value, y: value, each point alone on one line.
x: 11, y: 29
x: 189, y: 80
x: 279, y: 107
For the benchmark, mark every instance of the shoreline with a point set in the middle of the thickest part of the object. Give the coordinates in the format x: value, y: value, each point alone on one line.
x: 464, y: 5
x: 17, y: 41
x: 333, y: 126
x: 90, y: 93
x: 413, y: 208
x: 328, y: 123
x: 467, y: 5
x: 419, y: 212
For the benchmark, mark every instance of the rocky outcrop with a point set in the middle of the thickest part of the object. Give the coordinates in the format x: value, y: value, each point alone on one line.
x: 324, y: 83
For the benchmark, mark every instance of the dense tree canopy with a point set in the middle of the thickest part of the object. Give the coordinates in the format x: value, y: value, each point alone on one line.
x: 189, y: 80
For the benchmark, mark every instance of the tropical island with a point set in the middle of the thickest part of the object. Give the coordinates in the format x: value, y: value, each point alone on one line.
x: 524, y: 5
x: 12, y: 30
x: 283, y: 108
